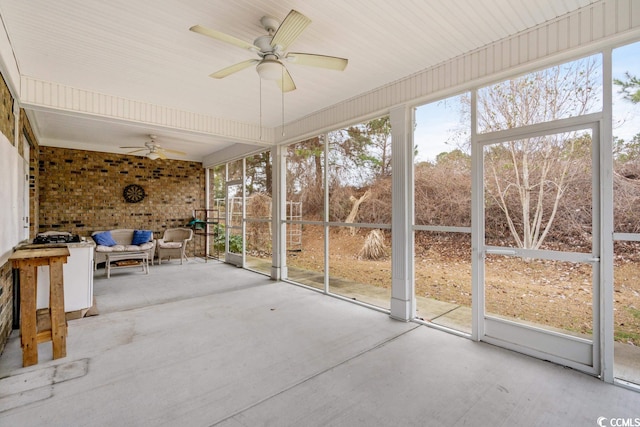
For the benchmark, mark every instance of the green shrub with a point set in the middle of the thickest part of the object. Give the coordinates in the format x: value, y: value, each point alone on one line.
x: 235, y: 241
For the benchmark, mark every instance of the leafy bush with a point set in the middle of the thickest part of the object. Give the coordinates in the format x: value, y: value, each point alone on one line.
x: 235, y: 240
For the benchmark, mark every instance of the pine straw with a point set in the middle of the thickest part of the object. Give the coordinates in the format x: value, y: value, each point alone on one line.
x: 374, y: 247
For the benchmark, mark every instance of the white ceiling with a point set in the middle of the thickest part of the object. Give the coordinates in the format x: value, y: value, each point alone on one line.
x: 143, y: 50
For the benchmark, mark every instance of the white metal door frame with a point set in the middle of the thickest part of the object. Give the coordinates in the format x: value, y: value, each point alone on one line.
x: 232, y: 257
x: 576, y: 352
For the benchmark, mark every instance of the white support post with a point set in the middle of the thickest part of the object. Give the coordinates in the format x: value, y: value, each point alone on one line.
x: 278, y: 213
x: 243, y: 217
x: 606, y: 226
x: 477, y: 229
x: 325, y: 215
x: 207, y: 206
x: 402, y: 285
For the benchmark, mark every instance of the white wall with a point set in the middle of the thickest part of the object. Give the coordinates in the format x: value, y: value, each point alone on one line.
x: 12, y: 190
x: 12, y: 167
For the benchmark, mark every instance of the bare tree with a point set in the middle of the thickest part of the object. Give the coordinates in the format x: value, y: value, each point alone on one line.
x: 528, y: 178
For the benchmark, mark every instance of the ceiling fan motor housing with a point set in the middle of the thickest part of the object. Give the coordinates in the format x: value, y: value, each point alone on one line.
x: 264, y: 44
x: 270, y: 24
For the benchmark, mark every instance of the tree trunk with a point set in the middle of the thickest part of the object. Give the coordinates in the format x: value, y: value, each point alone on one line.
x: 354, y: 209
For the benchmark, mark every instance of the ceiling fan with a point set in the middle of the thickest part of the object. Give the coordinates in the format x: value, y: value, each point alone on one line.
x: 154, y: 150
x: 272, y: 50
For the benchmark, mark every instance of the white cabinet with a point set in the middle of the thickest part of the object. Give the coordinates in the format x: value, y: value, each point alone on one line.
x: 77, y: 276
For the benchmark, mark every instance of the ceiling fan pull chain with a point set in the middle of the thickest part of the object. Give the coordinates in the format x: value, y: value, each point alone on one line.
x: 260, y: 79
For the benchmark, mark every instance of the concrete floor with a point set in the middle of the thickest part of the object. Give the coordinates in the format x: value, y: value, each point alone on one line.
x: 209, y: 344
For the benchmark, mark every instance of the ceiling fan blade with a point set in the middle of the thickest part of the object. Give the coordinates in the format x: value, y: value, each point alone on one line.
x: 290, y: 29
x: 322, y: 61
x: 161, y: 155
x: 233, y: 68
x: 138, y: 150
x: 180, y: 153
x: 223, y: 37
x: 286, y: 84
x: 137, y: 146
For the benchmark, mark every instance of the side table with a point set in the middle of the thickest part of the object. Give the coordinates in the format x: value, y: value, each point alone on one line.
x: 28, y: 261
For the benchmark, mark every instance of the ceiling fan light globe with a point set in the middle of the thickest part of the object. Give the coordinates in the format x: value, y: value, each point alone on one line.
x: 153, y: 156
x: 269, y: 69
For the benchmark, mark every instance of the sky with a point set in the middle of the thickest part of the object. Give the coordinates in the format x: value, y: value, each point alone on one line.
x: 435, y: 125
x: 626, y: 116
x: 437, y: 121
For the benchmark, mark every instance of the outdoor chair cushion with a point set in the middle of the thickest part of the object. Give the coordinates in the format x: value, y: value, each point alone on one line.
x: 170, y: 245
x: 104, y: 239
x: 133, y: 247
x: 114, y: 248
x: 141, y: 236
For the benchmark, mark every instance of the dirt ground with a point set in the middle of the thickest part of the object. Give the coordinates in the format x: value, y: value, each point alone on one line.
x: 550, y: 293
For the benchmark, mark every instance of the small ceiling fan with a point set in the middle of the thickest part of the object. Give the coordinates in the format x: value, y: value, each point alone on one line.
x: 154, y: 150
x: 272, y: 50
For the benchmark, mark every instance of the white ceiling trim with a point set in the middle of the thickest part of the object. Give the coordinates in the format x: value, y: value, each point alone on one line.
x: 8, y: 64
x: 230, y: 154
x: 39, y: 94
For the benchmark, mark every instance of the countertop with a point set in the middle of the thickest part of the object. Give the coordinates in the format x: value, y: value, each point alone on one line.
x: 86, y: 244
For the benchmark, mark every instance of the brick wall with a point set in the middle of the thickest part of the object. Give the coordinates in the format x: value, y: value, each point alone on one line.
x: 6, y: 303
x: 7, y: 126
x: 7, y: 123
x: 81, y: 191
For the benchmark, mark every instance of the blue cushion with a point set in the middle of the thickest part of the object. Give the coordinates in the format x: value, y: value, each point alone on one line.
x: 141, y: 236
x: 104, y: 239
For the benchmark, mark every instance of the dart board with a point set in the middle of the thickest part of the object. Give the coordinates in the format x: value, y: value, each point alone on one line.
x: 133, y: 193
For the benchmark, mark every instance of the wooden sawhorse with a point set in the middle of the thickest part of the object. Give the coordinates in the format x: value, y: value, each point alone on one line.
x: 28, y: 261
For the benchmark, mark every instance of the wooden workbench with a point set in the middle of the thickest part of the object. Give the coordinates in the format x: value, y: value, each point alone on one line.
x: 28, y: 261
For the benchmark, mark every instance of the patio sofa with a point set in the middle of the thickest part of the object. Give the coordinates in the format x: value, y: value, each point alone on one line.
x: 122, y: 241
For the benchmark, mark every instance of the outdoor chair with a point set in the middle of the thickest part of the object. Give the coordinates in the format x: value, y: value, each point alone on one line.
x: 174, y: 244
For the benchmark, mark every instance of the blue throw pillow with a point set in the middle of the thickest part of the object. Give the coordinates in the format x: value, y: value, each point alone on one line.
x: 141, y: 236
x: 104, y: 239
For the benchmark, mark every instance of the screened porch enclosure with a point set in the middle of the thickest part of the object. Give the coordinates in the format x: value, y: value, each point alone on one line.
x: 484, y: 213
